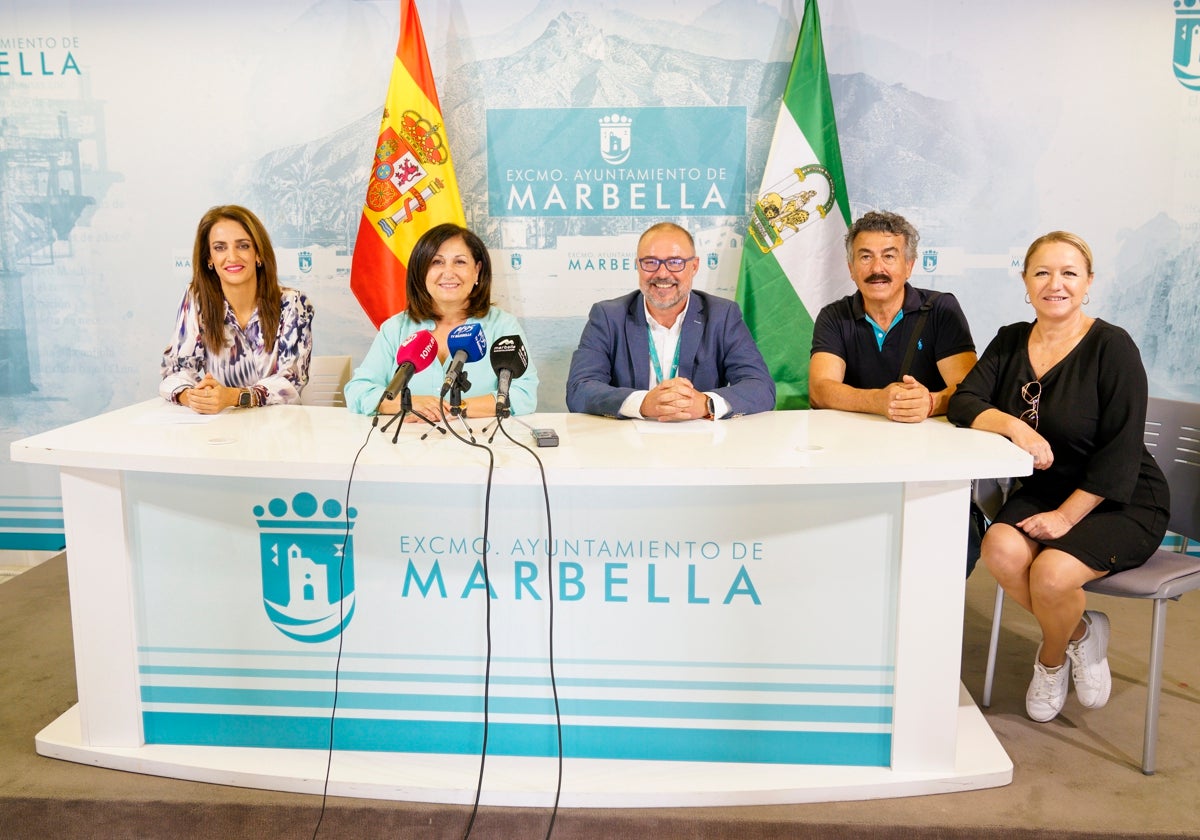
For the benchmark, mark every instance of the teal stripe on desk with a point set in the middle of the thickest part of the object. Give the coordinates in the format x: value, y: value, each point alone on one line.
x: 474, y: 679
x: 32, y: 541
x: 24, y: 509
x: 473, y: 704
x: 430, y: 657
x: 39, y: 524
x: 534, y: 740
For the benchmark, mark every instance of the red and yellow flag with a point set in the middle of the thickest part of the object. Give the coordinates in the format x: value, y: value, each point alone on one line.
x: 412, y: 186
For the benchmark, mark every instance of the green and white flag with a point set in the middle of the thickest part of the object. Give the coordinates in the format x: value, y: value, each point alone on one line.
x: 794, y: 256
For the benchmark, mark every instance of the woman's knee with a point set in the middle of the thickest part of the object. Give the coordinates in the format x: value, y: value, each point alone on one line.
x: 1055, y: 574
x: 1005, y: 551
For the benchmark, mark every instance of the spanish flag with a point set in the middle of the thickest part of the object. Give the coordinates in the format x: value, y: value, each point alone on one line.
x: 412, y: 186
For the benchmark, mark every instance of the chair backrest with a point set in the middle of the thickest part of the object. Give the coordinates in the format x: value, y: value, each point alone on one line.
x: 327, y: 375
x: 1173, y: 438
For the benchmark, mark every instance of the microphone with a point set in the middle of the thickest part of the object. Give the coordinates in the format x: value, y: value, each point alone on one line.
x: 416, y: 353
x: 509, y: 361
x: 466, y: 343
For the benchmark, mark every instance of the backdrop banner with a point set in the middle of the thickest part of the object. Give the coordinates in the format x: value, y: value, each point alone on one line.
x: 574, y: 126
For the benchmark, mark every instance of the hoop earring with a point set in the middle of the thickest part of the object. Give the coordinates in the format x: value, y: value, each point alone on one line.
x: 210, y: 266
x: 1027, y: 298
x: 1086, y: 298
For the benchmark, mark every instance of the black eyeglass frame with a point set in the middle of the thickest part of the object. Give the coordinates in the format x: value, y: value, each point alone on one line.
x: 651, y: 264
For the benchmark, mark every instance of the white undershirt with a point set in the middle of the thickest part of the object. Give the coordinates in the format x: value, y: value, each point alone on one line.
x: 665, y: 339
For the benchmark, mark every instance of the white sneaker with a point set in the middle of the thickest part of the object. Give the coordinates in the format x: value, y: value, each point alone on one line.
x: 1047, y: 690
x: 1089, y: 661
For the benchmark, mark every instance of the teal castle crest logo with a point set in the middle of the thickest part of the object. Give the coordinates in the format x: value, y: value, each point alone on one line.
x: 929, y: 260
x: 1187, y: 43
x: 307, y: 566
x: 616, y: 138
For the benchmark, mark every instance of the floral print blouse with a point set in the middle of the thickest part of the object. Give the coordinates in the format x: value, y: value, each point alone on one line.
x: 276, y: 376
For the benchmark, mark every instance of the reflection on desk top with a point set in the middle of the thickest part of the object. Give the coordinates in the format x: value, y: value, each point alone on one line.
x: 291, y: 441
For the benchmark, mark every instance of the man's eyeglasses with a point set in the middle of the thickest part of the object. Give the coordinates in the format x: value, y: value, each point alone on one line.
x: 1031, y: 392
x: 673, y: 264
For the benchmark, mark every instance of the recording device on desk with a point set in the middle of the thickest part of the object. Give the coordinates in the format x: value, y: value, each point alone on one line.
x: 465, y: 343
x: 416, y: 353
x: 544, y: 437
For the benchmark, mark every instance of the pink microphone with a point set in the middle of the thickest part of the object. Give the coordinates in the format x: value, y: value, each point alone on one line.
x: 416, y: 353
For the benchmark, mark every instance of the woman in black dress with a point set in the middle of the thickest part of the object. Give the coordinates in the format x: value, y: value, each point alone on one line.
x: 1071, y: 391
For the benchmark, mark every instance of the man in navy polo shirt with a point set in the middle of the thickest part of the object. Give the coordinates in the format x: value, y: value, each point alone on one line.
x: 860, y: 343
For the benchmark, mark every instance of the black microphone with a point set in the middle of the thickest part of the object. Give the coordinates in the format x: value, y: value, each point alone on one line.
x: 416, y: 353
x: 466, y: 343
x: 509, y: 361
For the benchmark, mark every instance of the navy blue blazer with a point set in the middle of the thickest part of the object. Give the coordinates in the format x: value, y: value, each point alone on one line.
x: 716, y: 353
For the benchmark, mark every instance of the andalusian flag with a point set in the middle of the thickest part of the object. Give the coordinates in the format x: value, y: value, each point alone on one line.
x: 412, y: 186
x: 794, y: 256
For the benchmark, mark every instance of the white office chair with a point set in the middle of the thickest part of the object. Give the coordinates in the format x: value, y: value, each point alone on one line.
x: 327, y: 376
x: 1173, y: 437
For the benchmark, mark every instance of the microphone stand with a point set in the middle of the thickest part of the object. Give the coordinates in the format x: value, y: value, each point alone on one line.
x: 501, y: 416
x: 405, y: 410
x: 457, y: 409
x: 507, y: 416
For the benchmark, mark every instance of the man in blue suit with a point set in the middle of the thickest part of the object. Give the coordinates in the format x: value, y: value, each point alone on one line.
x: 666, y: 352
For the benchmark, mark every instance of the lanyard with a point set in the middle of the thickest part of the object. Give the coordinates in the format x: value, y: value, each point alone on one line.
x: 654, y: 357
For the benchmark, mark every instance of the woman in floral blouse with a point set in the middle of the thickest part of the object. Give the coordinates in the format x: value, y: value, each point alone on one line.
x: 258, y: 352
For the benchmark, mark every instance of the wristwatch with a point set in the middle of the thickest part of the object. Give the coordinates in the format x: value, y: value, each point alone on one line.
x: 711, y: 407
x: 245, y: 398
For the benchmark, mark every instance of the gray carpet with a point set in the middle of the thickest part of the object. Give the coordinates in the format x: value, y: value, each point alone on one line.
x: 1076, y: 777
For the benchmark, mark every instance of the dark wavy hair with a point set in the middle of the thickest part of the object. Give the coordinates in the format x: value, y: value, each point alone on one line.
x: 420, y: 302
x: 206, y: 285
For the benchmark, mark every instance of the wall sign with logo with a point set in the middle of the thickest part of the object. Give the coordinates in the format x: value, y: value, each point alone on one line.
x: 622, y: 162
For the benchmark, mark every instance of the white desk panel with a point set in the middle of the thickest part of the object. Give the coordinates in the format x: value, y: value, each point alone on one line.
x: 767, y: 609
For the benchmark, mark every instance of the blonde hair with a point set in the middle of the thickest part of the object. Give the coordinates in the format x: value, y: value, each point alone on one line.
x: 1065, y: 237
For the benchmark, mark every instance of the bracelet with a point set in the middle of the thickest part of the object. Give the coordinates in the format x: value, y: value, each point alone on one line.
x: 931, y: 403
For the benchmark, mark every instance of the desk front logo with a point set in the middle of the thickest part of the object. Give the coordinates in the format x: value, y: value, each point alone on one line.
x: 1187, y: 43
x: 307, y: 566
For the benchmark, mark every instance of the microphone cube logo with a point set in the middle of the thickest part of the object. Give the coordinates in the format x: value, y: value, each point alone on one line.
x: 307, y: 566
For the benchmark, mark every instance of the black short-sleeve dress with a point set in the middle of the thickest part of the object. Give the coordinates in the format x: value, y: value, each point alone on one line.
x: 1092, y: 412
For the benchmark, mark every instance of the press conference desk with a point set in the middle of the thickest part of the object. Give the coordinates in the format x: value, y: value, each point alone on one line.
x: 760, y: 610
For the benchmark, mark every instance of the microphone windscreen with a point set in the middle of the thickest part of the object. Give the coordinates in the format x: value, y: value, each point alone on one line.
x: 508, y: 353
x: 419, y: 350
x: 468, y: 338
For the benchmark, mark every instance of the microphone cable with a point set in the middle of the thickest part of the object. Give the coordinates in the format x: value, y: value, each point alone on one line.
x: 487, y: 597
x: 550, y: 634
x: 337, y: 665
